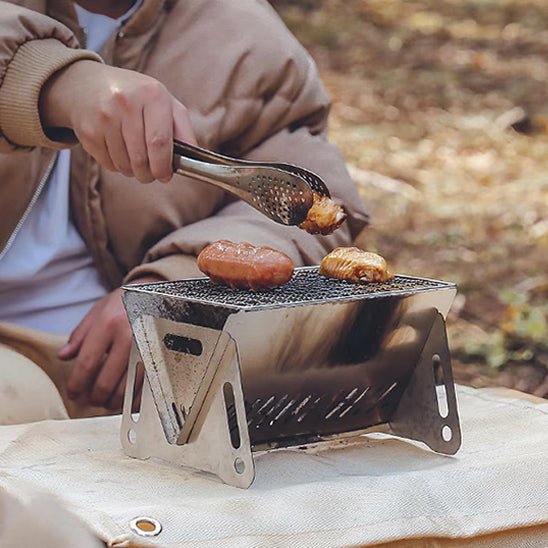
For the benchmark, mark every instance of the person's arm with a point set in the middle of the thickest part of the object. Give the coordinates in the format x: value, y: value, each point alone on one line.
x: 126, y: 120
x: 53, y: 94
x: 33, y: 47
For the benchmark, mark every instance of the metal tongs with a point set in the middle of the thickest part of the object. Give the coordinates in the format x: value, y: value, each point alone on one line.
x: 282, y: 192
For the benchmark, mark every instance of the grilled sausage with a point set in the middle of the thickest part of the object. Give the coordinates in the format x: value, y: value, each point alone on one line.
x: 243, y: 266
x: 355, y: 265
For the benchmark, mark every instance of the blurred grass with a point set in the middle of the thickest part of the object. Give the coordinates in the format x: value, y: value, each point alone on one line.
x: 449, y: 100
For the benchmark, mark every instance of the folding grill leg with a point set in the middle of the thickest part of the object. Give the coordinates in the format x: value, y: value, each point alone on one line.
x: 219, y: 441
x: 424, y: 412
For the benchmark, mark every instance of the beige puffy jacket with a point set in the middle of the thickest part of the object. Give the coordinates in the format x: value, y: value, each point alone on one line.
x: 251, y: 91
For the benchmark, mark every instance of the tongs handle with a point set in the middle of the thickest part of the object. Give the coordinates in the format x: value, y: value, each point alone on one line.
x: 185, y: 150
x: 282, y: 192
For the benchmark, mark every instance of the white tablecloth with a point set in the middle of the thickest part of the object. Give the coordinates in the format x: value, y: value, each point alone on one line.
x: 362, y: 492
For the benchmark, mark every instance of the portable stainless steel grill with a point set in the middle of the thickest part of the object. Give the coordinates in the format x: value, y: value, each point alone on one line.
x: 230, y: 372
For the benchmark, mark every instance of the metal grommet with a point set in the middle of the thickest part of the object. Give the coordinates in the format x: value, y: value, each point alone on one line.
x: 145, y: 526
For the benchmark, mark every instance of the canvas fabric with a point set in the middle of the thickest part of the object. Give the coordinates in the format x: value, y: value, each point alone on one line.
x: 367, y: 491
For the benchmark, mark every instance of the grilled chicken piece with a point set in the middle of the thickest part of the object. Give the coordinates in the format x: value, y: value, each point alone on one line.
x: 323, y: 217
x: 355, y: 265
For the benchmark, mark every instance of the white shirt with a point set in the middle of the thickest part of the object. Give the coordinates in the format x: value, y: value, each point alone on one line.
x: 47, y: 277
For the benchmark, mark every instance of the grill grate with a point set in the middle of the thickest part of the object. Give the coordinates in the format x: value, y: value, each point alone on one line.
x: 306, y: 287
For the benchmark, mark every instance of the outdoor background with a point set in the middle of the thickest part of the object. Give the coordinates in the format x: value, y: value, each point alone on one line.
x: 441, y: 110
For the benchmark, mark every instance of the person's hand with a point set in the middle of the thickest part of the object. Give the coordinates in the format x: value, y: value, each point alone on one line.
x: 100, y: 346
x: 124, y: 119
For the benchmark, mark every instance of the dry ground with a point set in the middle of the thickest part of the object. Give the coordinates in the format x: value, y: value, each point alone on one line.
x: 447, y: 101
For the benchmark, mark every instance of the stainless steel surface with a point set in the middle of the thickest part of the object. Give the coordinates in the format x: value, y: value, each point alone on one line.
x: 282, y: 192
x: 178, y: 390
x: 316, y: 358
x: 209, y: 448
x: 428, y: 410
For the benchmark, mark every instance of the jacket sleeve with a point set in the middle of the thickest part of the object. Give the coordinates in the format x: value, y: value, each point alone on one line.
x: 282, y: 118
x: 32, y: 48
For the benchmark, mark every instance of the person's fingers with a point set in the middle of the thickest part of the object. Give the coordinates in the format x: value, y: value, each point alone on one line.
x: 182, y: 126
x: 98, y: 150
x: 139, y: 380
x: 158, y: 122
x: 112, y: 371
x: 133, y: 131
x: 90, y: 357
x: 114, y: 403
x: 71, y: 349
x: 138, y: 388
x: 92, y: 135
x: 118, y: 152
x: 117, y: 398
x: 118, y: 97
x: 136, y: 407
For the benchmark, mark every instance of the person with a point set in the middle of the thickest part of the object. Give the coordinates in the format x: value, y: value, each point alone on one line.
x: 92, y: 94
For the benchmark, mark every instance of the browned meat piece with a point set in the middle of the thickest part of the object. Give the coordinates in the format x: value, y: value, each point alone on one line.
x: 355, y: 265
x: 243, y: 266
x: 323, y: 217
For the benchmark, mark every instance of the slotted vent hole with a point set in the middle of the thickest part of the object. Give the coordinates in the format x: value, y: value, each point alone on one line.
x: 184, y: 345
x: 387, y: 391
x: 284, y: 411
x: 176, y: 413
x: 297, y: 407
x: 232, y: 419
x: 136, y: 413
x: 441, y: 390
x: 355, y: 409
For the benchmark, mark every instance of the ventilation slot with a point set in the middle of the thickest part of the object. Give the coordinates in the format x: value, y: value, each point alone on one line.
x: 185, y: 345
x: 230, y: 406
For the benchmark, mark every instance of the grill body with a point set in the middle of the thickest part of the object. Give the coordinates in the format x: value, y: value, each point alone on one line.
x: 315, y: 359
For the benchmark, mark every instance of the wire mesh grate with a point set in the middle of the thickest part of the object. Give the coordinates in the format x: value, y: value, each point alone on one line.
x: 306, y: 286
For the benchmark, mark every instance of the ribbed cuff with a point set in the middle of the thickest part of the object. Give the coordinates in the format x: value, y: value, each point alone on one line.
x: 31, y: 66
x: 171, y: 267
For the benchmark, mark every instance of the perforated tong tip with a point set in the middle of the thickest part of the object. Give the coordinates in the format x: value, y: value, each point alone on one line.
x: 283, y: 192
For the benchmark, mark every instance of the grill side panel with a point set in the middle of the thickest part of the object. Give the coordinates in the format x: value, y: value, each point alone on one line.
x: 312, y: 371
x: 140, y: 303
